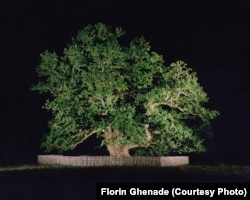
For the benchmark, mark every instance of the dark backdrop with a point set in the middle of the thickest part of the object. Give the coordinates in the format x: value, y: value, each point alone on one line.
x: 212, y: 37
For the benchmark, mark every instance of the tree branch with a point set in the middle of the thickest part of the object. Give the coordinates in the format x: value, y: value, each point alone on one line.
x: 170, y: 101
x: 84, y: 138
x: 148, y: 133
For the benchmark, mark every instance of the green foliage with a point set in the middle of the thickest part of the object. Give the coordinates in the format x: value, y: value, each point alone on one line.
x: 124, y: 95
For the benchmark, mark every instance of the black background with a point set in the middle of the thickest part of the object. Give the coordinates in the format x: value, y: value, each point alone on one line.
x: 212, y: 37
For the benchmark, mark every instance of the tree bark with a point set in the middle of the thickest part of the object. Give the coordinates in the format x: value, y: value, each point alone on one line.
x: 115, y: 148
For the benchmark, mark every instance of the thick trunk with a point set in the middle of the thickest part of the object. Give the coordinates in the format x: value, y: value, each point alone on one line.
x: 116, y: 149
x: 120, y: 150
x: 113, y: 145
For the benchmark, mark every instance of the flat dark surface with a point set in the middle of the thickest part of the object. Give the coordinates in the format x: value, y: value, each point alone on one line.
x: 80, y: 183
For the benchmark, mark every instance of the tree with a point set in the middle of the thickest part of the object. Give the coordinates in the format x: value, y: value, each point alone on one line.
x: 124, y: 95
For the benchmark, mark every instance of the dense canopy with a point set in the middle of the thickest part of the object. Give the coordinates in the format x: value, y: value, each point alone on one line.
x: 124, y: 94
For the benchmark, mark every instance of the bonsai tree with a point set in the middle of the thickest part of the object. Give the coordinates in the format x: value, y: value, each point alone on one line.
x: 123, y: 94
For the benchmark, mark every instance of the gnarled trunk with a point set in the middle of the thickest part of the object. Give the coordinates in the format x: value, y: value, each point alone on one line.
x: 115, y: 148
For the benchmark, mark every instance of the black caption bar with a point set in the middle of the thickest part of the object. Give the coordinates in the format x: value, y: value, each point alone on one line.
x: 120, y: 191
